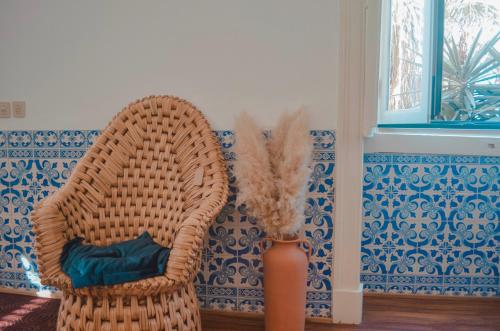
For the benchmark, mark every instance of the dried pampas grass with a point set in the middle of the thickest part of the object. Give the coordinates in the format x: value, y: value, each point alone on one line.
x: 272, y: 175
x: 257, y: 188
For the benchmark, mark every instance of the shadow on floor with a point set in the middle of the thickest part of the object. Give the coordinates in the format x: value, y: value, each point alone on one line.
x: 23, y: 313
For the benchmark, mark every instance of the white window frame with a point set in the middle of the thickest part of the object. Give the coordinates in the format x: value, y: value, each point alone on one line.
x: 408, y: 116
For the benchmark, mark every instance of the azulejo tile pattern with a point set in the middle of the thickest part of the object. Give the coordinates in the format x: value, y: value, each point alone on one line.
x: 33, y: 164
x: 431, y: 224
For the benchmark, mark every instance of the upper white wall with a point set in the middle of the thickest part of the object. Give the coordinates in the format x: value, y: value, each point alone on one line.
x: 77, y: 63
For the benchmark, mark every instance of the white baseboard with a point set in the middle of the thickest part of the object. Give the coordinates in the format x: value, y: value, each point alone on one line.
x: 348, y: 305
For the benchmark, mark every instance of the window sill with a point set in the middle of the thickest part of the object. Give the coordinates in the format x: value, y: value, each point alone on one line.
x: 434, y: 141
x: 446, y: 125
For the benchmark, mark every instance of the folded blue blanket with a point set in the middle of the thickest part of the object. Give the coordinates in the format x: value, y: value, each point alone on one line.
x: 89, y: 265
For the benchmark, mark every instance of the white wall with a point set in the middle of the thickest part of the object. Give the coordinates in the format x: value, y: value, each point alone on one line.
x: 76, y: 63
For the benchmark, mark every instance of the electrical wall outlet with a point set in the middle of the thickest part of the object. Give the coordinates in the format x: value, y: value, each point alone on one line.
x: 19, y: 109
x: 4, y: 109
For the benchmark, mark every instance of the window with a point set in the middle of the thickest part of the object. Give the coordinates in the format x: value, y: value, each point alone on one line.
x: 440, y: 64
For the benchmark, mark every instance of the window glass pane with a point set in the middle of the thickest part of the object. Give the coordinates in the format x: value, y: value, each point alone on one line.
x: 471, y: 58
x: 406, y: 54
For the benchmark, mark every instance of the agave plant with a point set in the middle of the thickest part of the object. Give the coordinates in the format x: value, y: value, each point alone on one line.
x: 471, y: 89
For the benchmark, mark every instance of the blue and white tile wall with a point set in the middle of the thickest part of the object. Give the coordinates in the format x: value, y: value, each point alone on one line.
x: 33, y: 164
x: 431, y: 224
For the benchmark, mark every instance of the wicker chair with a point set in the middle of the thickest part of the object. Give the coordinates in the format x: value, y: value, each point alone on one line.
x: 156, y: 167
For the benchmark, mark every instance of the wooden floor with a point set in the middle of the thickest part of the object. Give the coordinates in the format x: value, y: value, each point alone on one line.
x: 381, y: 313
x: 389, y: 313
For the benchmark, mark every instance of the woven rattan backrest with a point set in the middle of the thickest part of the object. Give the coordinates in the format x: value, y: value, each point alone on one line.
x: 140, y: 173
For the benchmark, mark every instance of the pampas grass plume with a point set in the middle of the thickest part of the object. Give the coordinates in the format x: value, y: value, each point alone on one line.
x: 256, y: 184
x: 272, y: 175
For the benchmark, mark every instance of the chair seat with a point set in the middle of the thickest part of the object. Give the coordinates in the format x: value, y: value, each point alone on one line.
x: 143, y: 287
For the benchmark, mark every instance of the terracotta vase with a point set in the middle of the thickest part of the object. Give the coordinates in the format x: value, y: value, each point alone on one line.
x: 285, y: 281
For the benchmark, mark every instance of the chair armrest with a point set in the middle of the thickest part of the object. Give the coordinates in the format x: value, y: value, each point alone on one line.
x: 50, y: 227
x: 185, y: 256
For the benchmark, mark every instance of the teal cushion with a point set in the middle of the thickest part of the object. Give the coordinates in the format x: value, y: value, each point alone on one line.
x: 90, y: 265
